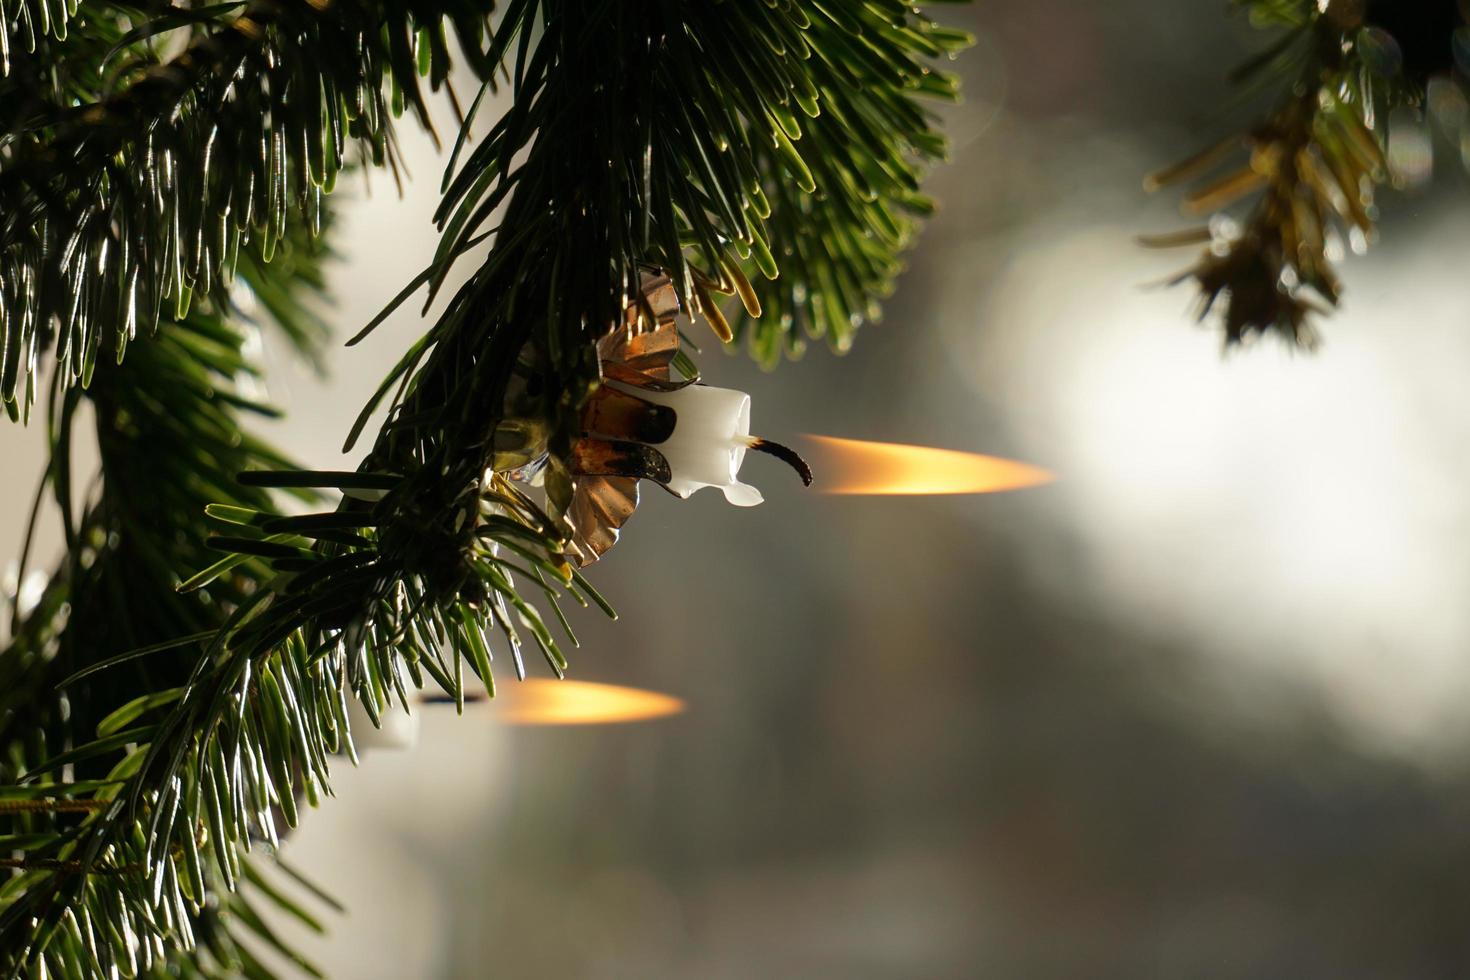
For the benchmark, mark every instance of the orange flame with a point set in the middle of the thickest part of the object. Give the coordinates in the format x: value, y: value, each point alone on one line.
x: 852, y: 466
x: 541, y: 701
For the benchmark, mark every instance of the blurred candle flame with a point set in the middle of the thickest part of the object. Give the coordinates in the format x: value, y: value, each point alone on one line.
x: 540, y: 701
x: 854, y: 466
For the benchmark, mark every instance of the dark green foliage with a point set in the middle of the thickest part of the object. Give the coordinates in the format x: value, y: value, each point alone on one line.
x: 717, y: 142
x: 129, y: 184
x: 655, y: 136
x: 836, y: 237
x: 168, y: 431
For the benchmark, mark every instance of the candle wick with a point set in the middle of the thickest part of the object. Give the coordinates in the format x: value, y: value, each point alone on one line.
x: 785, y: 454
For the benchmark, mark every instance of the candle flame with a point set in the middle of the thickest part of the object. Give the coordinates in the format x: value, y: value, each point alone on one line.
x: 853, y: 466
x: 539, y: 701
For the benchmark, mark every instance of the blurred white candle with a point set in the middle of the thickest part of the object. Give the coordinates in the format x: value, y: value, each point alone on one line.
x: 709, y: 442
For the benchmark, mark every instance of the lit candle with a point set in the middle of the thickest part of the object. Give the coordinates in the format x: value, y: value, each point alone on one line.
x: 708, y: 444
x: 642, y: 423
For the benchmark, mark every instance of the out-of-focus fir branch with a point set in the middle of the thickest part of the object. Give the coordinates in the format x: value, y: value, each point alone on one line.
x: 1311, y: 167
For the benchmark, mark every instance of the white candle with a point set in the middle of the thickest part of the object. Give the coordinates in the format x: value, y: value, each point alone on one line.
x: 711, y: 435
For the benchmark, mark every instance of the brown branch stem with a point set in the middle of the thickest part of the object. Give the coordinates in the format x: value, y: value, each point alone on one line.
x: 51, y: 806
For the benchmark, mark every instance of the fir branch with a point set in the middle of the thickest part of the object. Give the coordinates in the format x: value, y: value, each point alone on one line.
x: 642, y: 136
x: 30, y: 23
x: 1312, y: 167
x: 119, y: 204
x: 49, y: 806
x: 836, y: 246
x: 688, y: 132
x: 169, y: 440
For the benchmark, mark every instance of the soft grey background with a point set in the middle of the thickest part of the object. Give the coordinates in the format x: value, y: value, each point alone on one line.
x: 1192, y: 711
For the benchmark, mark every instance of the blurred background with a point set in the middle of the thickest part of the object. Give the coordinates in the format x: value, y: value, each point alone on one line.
x: 1193, y: 710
